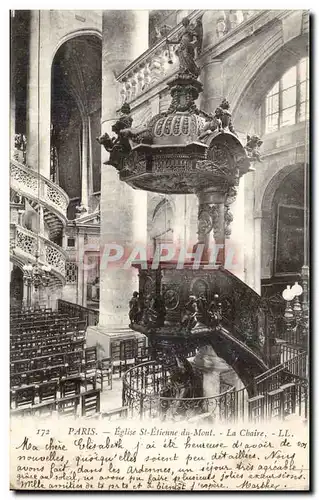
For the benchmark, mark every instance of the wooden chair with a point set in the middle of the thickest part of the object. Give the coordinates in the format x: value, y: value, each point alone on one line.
x: 35, y: 377
x: 91, y: 356
x: 19, y: 366
x: 70, y: 387
x: 74, y: 357
x: 55, y: 372
x: 90, y: 403
x: 68, y: 406
x: 48, y: 391
x: 105, y: 372
x: 128, y: 353
x: 22, y: 396
x: 90, y: 367
x: 118, y: 362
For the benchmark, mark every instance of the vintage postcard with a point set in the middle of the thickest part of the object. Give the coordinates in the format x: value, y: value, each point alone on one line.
x: 159, y: 250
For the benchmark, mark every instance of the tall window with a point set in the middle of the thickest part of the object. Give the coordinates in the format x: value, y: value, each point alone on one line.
x: 287, y: 102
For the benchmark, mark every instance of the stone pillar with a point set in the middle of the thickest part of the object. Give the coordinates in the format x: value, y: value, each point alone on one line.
x: 90, y: 164
x: 84, y: 187
x: 123, y: 210
x: 39, y: 93
x: 211, y: 366
x: 179, y: 222
x: 257, y: 269
x: 211, y: 225
x: 12, y: 92
x: 235, y: 243
x: 211, y: 73
x: 249, y: 229
x: 81, y: 265
x: 33, y: 91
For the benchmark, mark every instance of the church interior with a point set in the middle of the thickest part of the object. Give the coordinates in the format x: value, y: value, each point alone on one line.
x: 159, y: 214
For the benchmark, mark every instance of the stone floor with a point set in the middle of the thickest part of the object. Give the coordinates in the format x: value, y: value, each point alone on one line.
x: 112, y: 398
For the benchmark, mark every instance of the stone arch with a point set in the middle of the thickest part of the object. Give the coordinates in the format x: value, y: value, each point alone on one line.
x: 267, y: 216
x: 74, y: 34
x: 153, y: 201
x: 163, y: 203
x: 265, y: 67
x: 76, y: 87
x: 273, y: 184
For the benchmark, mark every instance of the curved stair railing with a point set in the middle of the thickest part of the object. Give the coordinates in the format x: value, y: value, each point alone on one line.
x: 279, y: 392
x: 37, y: 189
x: 23, y: 247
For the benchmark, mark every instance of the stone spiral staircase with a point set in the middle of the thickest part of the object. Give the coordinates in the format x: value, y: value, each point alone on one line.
x: 40, y: 193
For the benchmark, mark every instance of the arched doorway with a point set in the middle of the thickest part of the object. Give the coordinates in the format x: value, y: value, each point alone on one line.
x: 283, y: 229
x: 76, y: 119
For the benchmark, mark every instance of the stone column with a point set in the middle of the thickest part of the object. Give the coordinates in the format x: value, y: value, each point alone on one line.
x: 123, y: 210
x: 211, y: 225
x: 81, y: 265
x: 90, y: 164
x: 179, y: 222
x: 257, y: 269
x: 12, y: 91
x: 84, y: 187
x: 211, y: 70
x: 235, y: 243
x: 249, y: 229
x: 211, y: 366
x: 39, y: 93
x: 33, y: 91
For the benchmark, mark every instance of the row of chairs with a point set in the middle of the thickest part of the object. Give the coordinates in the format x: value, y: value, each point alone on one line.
x: 58, y: 366
x: 51, y: 370
x: 25, y: 314
x: 127, y: 353
x: 47, y: 327
x: 60, y: 344
x: 47, y: 360
x: 72, y: 337
x: 86, y: 404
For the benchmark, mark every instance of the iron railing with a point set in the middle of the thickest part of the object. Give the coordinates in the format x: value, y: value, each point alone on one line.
x: 278, y: 392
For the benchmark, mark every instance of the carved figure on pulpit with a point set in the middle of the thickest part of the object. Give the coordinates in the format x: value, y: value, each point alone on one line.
x: 199, y: 36
x: 252, y: 147
x: 202, y: 307
x: 135, y: 309
x: 226, y: 116
x: 187, y: 42
x: 119, y: 146
x: 154, y: 311
x: 190, y: 315
x: 214, y: 312
x: 213, y: 122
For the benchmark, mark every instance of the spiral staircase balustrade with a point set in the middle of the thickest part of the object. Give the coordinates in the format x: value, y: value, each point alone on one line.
x: 24, y: 244
x: 37, y: 188
x: 143, y: 383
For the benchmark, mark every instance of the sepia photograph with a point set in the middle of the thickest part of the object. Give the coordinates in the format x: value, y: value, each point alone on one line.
x: 159, y: 250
